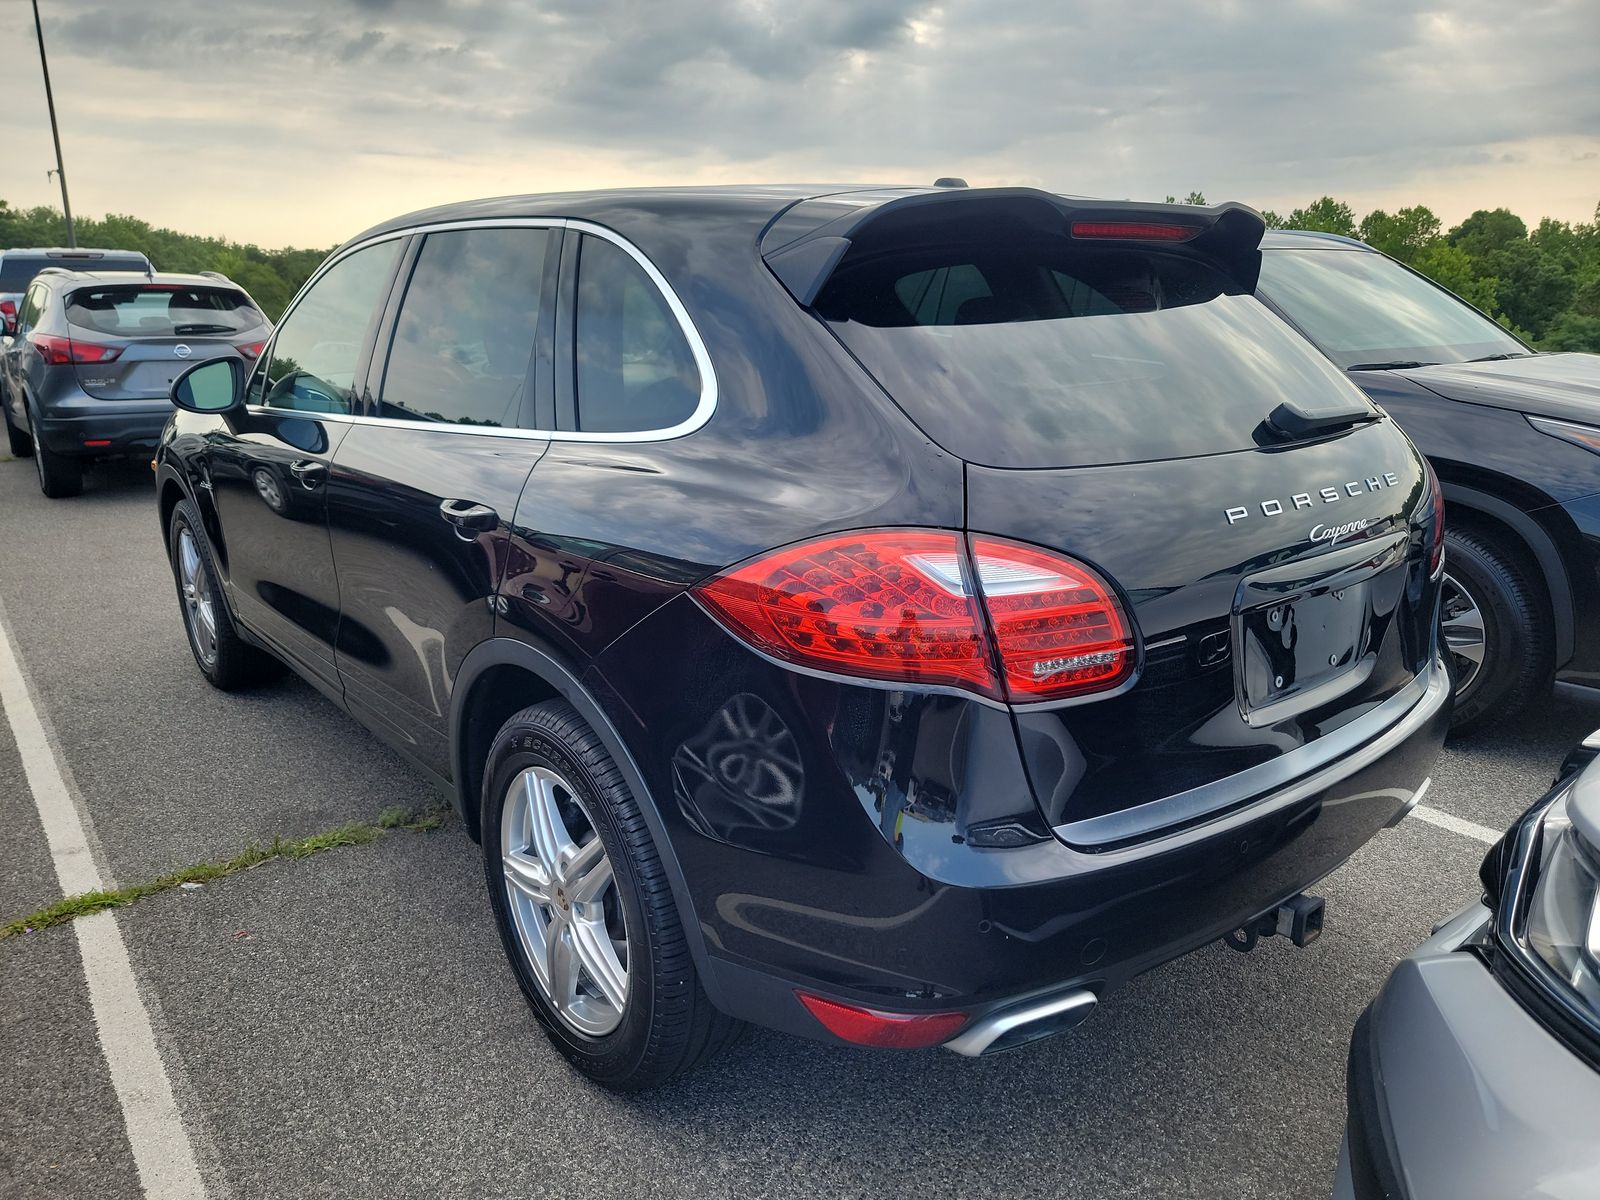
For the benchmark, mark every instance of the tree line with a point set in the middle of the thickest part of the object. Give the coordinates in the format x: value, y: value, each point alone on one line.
x: 271, y: 276
x: 1542, y: 283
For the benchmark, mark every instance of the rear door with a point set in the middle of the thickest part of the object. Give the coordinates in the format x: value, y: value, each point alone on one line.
x: 266, y: 471
x: 424, y: 489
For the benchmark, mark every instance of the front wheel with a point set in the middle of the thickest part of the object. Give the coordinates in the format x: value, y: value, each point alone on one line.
x: 226, y: 660
x: 584, y: 908
x: 1491, y: 618
x: 20, y: 443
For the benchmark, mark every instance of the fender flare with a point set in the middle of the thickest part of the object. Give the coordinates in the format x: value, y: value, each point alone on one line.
x: 1545, y: 554
x: 501, y: 651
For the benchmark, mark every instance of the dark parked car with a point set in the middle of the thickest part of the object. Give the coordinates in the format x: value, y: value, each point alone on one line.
x: 19, y: 266
x: 891, y: 616
x: 1513, y: 435
x: 1476, y: 1072
x: 88, y: 373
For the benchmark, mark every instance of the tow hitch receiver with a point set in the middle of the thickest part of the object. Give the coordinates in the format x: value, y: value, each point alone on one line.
x: 1299, y: 919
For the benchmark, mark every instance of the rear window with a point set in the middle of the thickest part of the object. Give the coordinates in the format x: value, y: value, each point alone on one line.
x: 1014, y: 349
x: 18, y: 270
x: 132, y: 312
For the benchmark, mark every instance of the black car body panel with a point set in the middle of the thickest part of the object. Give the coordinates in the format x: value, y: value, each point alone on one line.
x: 1471, y: 420
x: 877, y: 840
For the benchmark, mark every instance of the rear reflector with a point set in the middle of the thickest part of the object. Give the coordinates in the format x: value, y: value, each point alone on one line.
x: 1137, y: 231
x: 920, y: 606
x: 98, y: 442
x: 58, y: 351
x: 870, y: 1027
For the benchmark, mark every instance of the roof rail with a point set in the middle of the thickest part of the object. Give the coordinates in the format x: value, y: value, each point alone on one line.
x: 214, y: 275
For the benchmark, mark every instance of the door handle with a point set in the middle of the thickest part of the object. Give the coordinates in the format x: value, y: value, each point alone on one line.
x: 309, y: 472
x: 465, y: 515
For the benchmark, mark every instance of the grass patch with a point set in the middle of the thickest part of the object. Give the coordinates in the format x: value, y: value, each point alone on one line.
x: 390, y: 820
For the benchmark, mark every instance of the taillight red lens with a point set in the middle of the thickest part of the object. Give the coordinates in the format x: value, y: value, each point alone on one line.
x: 1138, y: 231
x: 251, y: 349
x: 8, y: 308
x: 870, y: 1027
x: 900, y: 605
x: 1436, y: 492
x: 59, y: 351
x: 1058, y: 626
x: 890, y: 604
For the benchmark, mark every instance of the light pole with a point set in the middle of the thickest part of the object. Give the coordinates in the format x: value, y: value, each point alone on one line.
x: 50, y: 101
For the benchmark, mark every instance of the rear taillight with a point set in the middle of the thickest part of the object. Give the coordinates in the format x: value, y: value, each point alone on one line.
x: 1135, y: 231
x: 1436, y: 532
x: 8, y: 308
x: 251, y: 349
x: 1058, y: 626
x: 59, y: 351
x: 900, y: 605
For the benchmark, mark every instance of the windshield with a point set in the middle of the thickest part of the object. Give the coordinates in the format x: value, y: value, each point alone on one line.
x: 1043, y: 354
x: 1360, y: 307
x: 161, y: 311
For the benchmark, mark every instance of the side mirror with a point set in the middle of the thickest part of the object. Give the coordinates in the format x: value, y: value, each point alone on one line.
x: 214, y: 386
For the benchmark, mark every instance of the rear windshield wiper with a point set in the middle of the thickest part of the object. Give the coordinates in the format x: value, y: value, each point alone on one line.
x: 1295, y: 420
x: 1399, y: 364
x: 1502, y: 357
x: 194, y: 329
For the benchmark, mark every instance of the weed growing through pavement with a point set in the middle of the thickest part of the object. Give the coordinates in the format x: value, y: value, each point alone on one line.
x: 390, y: 820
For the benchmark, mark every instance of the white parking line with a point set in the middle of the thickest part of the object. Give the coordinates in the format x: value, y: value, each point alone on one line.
x: 161, y: 1148
x: 1454, y: 824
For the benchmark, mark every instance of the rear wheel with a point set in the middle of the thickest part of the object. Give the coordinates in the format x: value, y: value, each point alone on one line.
x: 224, y: 658
x: 1491, y: 617
x: 585, y: 910
x: 59, y: 476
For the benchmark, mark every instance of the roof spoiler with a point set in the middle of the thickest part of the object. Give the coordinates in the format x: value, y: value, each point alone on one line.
x: 1227, y: 234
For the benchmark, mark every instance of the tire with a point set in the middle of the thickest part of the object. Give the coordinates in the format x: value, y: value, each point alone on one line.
x: 546, y: 758
x: 226, y: 660
x: 1487, y: 594
x: 20, y: 443
x: 59, y: 476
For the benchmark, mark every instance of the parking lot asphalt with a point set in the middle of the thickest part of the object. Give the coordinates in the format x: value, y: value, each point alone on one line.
x: 345, y: 1024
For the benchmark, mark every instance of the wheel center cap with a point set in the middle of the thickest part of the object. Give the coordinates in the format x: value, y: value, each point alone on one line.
x: 561, y: 897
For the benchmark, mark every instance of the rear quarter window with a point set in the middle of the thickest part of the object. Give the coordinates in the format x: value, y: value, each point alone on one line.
x: 1015, y: 349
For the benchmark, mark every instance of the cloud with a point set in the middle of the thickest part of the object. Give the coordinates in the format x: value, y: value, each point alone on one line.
x: 305, y: 115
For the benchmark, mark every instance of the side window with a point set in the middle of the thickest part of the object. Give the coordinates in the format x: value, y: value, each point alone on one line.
x: 318, y: 346
x: 32, y: 306
x: 464, y: 338
x: 635, y: 370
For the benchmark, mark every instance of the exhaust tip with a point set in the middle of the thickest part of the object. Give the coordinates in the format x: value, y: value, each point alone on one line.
x: 1030, y: 1022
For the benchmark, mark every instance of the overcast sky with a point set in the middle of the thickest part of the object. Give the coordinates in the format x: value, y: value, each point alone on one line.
x: 302, y: 121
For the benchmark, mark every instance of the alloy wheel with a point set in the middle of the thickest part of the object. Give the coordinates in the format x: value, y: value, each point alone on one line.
x: 1464, y: 634
x: 199, y: 605
x: 563, y: 899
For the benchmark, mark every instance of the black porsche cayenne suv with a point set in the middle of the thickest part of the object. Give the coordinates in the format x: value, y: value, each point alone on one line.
x: 894, y: 616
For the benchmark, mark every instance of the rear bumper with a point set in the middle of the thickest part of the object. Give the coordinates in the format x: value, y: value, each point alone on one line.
x: 1455, y: 1090
x: 126, y: 428
x: 1052, y: 920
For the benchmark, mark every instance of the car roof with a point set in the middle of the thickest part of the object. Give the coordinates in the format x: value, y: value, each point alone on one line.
x: 68, y: 252
x: 159, y: 278
x: 620, y: 208
x: 1310, y: 239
